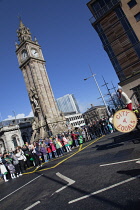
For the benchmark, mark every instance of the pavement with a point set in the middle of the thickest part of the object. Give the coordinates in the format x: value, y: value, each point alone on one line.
x: 100, y: 174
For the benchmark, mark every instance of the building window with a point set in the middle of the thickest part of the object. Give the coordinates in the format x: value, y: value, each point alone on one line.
x: 137, y: 17
x: 132, y: 3
x: 14, y: 141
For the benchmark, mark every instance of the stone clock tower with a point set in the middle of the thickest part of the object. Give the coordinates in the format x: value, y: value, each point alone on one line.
x: 32, y: 64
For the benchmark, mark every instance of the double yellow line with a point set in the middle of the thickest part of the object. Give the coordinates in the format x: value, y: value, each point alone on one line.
x: 79, y: 150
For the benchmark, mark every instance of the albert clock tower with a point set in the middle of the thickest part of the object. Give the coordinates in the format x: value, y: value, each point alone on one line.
x: 32, y: 64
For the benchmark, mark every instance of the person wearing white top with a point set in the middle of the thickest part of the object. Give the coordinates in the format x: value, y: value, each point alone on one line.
x: 125, y: 99
x: 3, y: 171
x: 21, y: 158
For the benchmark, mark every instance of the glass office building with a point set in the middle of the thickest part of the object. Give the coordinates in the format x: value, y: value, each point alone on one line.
x: 68, y: 104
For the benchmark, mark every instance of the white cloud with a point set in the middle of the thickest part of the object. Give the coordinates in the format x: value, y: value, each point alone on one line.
x: 18, y: 116
x: 10, y: 117
x: 30, y: 114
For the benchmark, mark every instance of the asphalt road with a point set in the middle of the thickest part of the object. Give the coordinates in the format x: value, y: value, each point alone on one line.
x: 81, y: 180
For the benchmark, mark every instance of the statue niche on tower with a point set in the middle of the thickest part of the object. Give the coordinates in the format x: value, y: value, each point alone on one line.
x: 34, y: 98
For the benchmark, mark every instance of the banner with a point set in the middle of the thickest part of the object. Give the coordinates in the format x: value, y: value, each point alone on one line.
x: 125, y: 120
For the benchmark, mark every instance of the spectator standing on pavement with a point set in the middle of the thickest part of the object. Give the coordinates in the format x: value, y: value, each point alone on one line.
x: 49, y: 151
x: 58, y: 147
x: 27, y: 154
x: 11, y: 168
x: 44, y: 152
x: 21, y: 158
x: 16, y: 165
x: 53, y: 148
x: 111, y: 122
x: 3, y: 170
x: 125, y: 99
x: 110, y: 128
x: 65, y: 141
x: 74, y: 138
x: 84, y: 135
x: 2, y: 158
x: 36, y: 154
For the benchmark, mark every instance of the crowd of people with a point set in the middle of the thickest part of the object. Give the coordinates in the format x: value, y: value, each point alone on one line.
x: 14, y: 164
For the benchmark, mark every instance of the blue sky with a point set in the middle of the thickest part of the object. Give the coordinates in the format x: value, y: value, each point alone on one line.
x: 69, y: 44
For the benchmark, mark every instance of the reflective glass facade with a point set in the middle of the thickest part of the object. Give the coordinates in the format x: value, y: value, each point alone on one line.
x: 67, y: 104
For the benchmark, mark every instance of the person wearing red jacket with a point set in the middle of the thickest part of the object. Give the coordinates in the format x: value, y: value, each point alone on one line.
x: 74, y: 137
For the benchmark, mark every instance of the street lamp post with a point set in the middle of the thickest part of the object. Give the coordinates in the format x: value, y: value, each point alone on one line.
x: 93, y: 75
x: 15, y: 116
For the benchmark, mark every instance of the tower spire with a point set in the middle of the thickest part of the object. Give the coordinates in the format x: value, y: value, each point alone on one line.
x: 23, y: 32
x: 21, y: 25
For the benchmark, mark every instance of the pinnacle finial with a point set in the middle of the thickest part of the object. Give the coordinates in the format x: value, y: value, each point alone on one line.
x: 20, y: 22
x: 16, y: 44
x: 36, y: 41
x: 23, y: 32
x: 21, y: 25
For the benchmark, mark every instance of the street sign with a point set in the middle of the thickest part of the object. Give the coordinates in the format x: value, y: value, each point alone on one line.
x: 125, y: 120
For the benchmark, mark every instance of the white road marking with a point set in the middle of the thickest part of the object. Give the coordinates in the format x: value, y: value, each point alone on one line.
x: 36, y: 203
x: 126, y: 161
x: 70, y: 182
x: 20, y: 187
x: 104, y: 189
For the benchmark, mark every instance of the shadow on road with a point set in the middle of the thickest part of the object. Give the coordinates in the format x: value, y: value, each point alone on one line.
x: 133, y: 172
x: 132, y: 205
x: 132, y: 136
x: 108, y: 146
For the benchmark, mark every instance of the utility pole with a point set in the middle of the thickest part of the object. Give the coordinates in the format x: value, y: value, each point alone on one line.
x: 93, y: 75
x: 15, y: 116
x: 109, y: 93
x: 120, y: 102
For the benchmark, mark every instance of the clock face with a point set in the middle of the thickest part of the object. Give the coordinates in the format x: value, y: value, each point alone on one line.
x: 24, y: 54
x: 34, y: 53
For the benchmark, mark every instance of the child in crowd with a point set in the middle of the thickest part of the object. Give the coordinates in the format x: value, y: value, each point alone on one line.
x: 44, y: 152
x: 68, y: 149
x: 80, y: 139
x: 16, y: 165
x: 58, y: 148
x: 3, y: 171
x: 49, y: 151
x: 11, y: 168
x: 53, y: 148
x: 110, y: 128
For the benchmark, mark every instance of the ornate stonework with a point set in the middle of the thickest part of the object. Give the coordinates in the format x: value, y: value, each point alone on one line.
x: 32, y: 64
